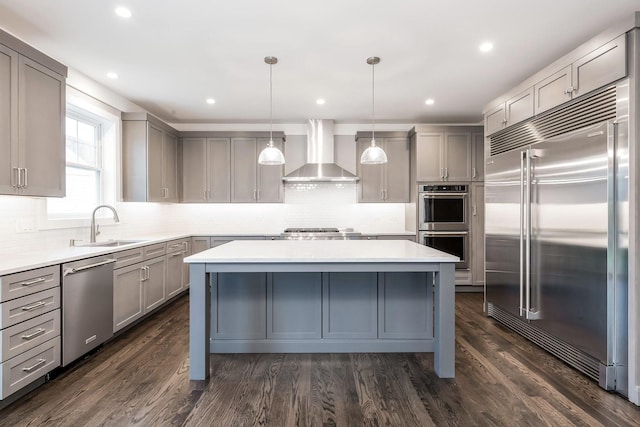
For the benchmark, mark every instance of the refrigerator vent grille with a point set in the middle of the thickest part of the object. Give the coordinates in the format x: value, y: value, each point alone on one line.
x: 563, y: 351
x: 593, y: 109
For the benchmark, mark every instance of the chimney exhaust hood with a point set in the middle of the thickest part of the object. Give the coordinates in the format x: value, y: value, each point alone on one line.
x: 320, y: 166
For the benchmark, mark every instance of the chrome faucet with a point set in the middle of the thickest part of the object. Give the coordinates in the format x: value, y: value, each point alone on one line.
x: 94, y: 231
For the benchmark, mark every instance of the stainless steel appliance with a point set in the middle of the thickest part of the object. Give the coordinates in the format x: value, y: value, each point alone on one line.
x: 443, y: 207
x: 319, y: 234
x: 452, y: 242
x: 87, y: 306
x: 556, y: 244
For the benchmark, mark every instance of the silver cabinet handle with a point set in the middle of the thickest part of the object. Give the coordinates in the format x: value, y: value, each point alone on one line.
x: 148, y: 272
x: 255, y: 194
x: 26, y: 177
x: 38, y: 363
x: 386, y: 194
x: 15, y: 178
x: 204, y: 194
x: 33, y: 282
x: 34, y: 306
x: 446, y: 172
x: 570, y: 90
x: 186, y: 247
x: 37, y: 333
x: 442, y: 173
x: 177, y: 254
x: 142, y: 273
x: 87, y: 267
x: 474, y: 211
x: 473, y: 172
x: 258, y: 192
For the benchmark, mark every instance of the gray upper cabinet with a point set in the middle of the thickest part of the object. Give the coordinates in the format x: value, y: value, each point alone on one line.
x: 429, y: 156
x: 596, y: 69
x: 206, y: 170
x: 514, y: 110
x: 457, y: 156
x: 32, y: 111
x: 251, y: 182
x: 387, y: 182
x: 149, y: 159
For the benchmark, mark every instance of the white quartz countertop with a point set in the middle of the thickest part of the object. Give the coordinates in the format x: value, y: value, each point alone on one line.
x: 321, y: 251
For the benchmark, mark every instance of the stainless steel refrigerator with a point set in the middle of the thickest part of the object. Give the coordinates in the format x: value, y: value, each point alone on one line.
x: 556, y: 249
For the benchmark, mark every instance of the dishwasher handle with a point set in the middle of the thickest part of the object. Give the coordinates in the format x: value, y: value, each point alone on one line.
x: 87, y: 267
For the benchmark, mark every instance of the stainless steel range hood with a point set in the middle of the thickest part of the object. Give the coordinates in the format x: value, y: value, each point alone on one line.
x: 320, y: 166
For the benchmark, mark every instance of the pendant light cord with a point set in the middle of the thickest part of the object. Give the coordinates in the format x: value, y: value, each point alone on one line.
x: 373, y: 103
x: 270, y: 106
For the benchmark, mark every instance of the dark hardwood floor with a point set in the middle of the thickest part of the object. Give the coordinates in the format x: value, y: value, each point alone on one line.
x: 141, y: 378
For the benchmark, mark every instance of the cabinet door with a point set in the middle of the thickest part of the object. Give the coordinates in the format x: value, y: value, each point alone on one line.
x: 194, y: 170
x: 155, y: 166
x: 218, y: 170
x: 185, y: 266
x: 270, y: 186
x: 41, y: 115
x: 397, y: 170
x: 477, y: 165
x: 604, y: 65
x: 174, y: 273
x: 429, y: 152
x: 477, y: 233
x: 553, y: 91
x: 371, y: 176
x: 294, y: 305
x: 155, y: 286
x: 170, y: 167
x: 349, y: 305
x: 520, y: 107
x: 244, y: 166
x: 8, y: 120
x: 405, y: 309
x: 457, y: 152
x: 495, y: 119
x: 239, y: 306
x: 127, y: 295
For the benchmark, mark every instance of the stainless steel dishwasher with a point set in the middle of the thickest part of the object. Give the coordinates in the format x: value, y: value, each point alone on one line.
x: 87, y: 306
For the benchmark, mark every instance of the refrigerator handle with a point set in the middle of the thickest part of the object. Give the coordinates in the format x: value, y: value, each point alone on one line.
x: 523, y: 155
x: 527, y: 242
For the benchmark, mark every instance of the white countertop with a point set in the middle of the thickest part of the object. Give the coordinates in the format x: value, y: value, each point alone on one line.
x: 320, y: 251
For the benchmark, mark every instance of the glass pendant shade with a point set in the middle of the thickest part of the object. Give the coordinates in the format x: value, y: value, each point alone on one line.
x: 373, y: 155
x: 271, y: 155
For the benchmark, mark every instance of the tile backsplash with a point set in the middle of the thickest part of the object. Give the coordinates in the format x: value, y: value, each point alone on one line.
x: 306, y: 205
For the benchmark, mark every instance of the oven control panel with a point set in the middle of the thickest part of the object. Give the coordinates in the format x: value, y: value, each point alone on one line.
x: 443, y: 188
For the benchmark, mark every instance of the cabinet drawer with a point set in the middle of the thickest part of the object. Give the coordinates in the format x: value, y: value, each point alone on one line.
x: 175, y: 246
x: 22, y: 370
x: 28, y: 282
x: 25, y: 308
x: 27, y: 335
x: 128, y: 257
x: 152, y: 251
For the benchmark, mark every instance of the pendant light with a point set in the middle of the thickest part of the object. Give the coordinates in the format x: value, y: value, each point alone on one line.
x: 373, y: 155
x: 271, y: 155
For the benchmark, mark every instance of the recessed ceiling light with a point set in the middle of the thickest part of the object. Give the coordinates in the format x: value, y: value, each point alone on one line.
x: 123, y: 12
x: 320, y: 101
x: 429, y: 101
x: 211, y: 101
x: 112, y: 75
x: 486, y: 47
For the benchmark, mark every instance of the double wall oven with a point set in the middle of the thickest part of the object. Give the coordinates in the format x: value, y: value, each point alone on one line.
x: 443, y: 219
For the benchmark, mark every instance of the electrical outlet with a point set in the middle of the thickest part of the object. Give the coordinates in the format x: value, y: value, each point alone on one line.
x: 25, y: 225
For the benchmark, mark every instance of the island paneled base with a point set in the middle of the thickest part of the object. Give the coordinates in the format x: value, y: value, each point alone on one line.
x: 332, y: 307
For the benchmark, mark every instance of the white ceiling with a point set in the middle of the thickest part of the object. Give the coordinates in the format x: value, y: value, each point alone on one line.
x: 172, y: 55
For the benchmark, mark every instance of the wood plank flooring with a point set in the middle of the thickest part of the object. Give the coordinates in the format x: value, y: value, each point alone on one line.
x: 141, y: 379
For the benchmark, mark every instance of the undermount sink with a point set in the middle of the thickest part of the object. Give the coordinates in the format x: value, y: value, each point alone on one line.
x: 114, y: 243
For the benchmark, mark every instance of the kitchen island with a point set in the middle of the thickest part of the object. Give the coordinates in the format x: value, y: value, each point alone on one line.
x: 298, y: 296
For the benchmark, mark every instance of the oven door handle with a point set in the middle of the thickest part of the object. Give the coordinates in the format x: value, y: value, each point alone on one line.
x: 445, y: 233
x: 436, y: 195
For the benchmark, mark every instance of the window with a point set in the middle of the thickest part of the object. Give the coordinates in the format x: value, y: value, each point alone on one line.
x: 90, y: 165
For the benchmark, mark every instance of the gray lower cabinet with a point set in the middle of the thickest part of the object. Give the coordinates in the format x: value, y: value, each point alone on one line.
x: 175, y: 266
x: 200, y: 244
x: 206, y: 172
x: 32, y: 114
x: 294, y: 305
x: 251, y: 182
x: 349, y: 308
x: 127, y: 295
x: 477, y: 234
x: 149, y: 159
x: 386, y: 182
x: 154, y: 285
x: 404, y: 307
x: 240, y: 311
